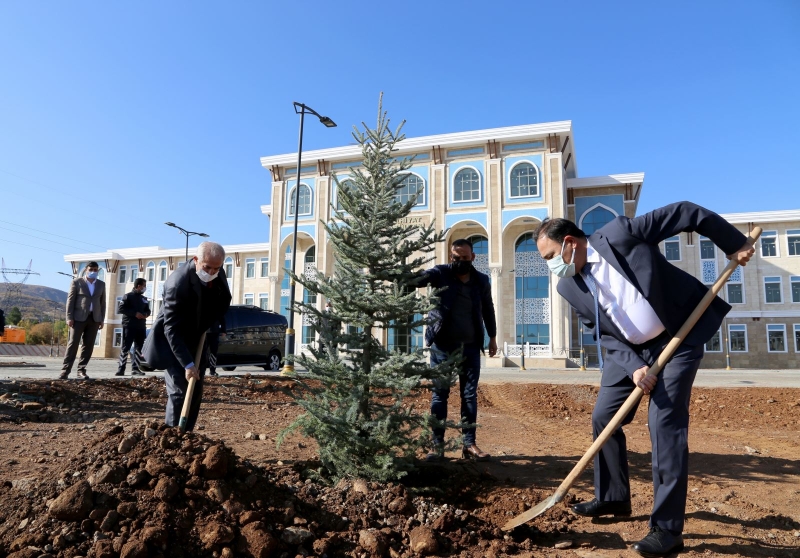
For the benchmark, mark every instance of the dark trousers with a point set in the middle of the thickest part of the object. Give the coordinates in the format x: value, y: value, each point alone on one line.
x: 132, y: 339
x: 85, y: 332
x: 213, y: 348
x: 668, y: 419
x: 468, y: 375
x: 177, y: 384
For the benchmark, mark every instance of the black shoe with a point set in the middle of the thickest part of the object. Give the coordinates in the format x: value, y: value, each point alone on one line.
x: 436, y: 453
x: 212, y: 373
x: 137, y: 373
x: 82, y: 376
x: 64, y: 375
x: 121, y: 373
x: 659, y: 542
x: 596, y: 508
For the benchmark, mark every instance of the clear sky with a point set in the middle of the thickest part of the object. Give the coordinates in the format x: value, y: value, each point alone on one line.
x: 115, y: 118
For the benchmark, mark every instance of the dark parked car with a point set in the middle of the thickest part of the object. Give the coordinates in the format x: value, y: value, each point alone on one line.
x: 253, y: 337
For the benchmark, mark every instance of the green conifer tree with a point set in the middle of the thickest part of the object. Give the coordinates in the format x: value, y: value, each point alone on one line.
x: 353, y: 397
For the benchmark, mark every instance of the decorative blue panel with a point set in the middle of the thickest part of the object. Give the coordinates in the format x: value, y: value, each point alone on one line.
x: 452, y: 219
x: 709, y: 271
x: 526, y: 145
x: 305, y: 170
x: 462, y: 152
x: 510, y: 214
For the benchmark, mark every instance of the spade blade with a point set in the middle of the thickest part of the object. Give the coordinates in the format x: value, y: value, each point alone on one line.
x: 536, y: 510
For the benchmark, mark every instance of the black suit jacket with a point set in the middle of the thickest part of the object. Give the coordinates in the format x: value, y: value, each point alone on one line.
x: 184, y: 317
x: 631, y: 247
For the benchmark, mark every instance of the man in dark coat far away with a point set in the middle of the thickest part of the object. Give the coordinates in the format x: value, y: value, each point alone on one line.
x: 635, y: 301
x: 195, y: 296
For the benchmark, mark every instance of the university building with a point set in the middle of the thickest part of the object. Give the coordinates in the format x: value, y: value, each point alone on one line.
x: 493, y: 187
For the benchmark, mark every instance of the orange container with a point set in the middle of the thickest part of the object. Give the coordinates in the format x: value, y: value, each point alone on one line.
x: 13, y: 335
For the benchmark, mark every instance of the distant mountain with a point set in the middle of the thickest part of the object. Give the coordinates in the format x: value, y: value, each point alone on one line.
x: 36, y: 302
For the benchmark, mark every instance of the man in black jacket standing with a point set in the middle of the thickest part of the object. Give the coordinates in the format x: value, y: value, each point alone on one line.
x: 195, y: 297
x: 135, y: 309
x: 465, y: 306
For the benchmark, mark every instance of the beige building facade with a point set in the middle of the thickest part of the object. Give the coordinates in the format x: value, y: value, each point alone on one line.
x: 494, y: 187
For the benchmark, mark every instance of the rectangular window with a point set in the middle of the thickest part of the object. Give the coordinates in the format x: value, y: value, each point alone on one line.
x: 776, y: 338
x: 250, y: 268
x: 793, y: 239
x: 672, y: 249
x: 714, y: 345
x: 116, y: 308
x: 707, y: 249
x: 134, y: 273
x: 737, y: 338
x: 263, y: 301
x: 772, y: 290
x: 151, y: 274
x: 769, y: 244
x: 797, y: 338
x: 162, y: 273
x: 735, y: 295
x: 117, y: 342
x: 795, y: 283
x: 248, y: 298
x: 122, y: 274
x: 264, y: 267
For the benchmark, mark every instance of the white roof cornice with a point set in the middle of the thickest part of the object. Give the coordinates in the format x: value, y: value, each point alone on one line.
x: 409, y: 145
x: 156, y: 252
x: 608, y: 180
x: 759, y: 217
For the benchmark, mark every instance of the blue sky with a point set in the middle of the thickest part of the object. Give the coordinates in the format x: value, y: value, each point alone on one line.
x: 115, y: 118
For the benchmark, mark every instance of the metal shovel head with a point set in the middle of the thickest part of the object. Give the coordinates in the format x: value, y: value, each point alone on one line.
x: 535, y: 511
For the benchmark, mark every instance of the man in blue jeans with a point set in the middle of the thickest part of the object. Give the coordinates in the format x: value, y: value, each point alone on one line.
x: 457, y: 322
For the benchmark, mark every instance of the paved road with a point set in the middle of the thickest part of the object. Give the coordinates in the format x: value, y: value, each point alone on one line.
x: 105, y: 368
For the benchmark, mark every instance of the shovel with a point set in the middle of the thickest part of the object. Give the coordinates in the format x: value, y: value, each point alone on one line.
x: 187, y: 399
x: 633, y: 398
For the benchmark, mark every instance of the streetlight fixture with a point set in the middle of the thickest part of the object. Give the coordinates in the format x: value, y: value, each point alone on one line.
x: 188, y: 234
x: 301, y: 109
x: 67, y: 274
x: 522, y: 331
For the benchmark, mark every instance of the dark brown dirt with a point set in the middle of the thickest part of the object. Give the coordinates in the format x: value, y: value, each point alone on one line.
x: 227, y: 491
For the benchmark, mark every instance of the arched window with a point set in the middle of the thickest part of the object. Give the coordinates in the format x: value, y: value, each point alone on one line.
x: 228, y: 267
x: 480, y: 244
x: 343, y: 185
x: 467, y: 185
x: 151, y: 272
x: 409, y: 188
x: 524, y: 180
x: 531, y: 293
x: 595, y: 218
x: 305, y: 201
x: 162, y: 271
x: 311, y: 255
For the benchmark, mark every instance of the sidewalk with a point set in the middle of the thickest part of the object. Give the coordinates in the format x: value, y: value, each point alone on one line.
x: 49, y: 368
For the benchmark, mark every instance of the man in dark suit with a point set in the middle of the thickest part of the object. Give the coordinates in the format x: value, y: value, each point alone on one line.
x: 195, y: 296
x: 86, y: 310
x: 635, y: 301
x: 135, y: 308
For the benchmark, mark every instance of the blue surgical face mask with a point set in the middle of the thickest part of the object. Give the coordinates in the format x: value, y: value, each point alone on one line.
x: 558, y: 267
x: 91, y: 274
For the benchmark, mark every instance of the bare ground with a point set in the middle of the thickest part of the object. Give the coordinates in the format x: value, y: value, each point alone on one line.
x: 744, y: 485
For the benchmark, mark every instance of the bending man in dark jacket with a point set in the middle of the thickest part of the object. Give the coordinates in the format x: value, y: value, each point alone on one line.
x: 195, y: 296
x: 635, y: 301
x: 465, y: 306
x: 135, y: 309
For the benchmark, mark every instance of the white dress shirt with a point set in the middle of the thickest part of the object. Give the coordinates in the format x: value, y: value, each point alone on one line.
x: 91, y: 286
x: 622, y: 302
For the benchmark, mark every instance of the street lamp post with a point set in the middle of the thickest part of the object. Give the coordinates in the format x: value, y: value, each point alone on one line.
x: 188, y: 234
x: 301, y: 109
x: 522, y: 331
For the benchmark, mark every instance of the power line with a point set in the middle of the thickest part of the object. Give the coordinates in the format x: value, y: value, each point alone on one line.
x: 31, y: 246
x: 53, y: 234
x: 40, y: 238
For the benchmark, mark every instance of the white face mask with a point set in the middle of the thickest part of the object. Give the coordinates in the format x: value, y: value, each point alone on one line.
x: 205, y: 276
x: 559, y: 267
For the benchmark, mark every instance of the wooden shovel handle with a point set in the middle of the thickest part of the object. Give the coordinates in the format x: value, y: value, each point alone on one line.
x: 654, y: 370
x: 187, y: 399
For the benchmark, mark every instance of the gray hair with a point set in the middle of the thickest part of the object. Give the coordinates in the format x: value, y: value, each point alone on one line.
x: 210, y: 250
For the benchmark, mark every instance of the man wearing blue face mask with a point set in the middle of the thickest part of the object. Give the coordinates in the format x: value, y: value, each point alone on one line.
x: 635, y: 301
x: 195, y: 297
x: 86, y: 310
x: 465, y: 307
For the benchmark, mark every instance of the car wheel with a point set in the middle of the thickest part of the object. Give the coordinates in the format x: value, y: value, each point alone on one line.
x: 229, y: 368
x: 274, y: 362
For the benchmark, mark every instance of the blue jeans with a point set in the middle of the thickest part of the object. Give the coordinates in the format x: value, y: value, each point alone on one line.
x: 468, y: 375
